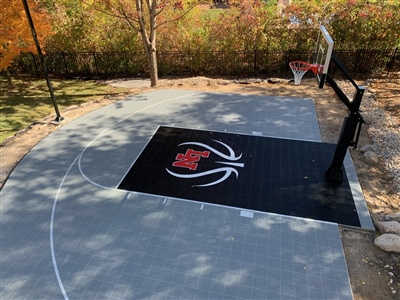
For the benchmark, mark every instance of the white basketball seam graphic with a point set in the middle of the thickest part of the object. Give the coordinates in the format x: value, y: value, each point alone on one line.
x: 228, y: 170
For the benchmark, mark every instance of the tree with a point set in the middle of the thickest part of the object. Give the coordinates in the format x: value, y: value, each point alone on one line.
x: 246, y: 25
x: 353, y: 24
x: 77, y: 27
x: 366, y: 24
x: 145, y: 17
x: 15, y: 34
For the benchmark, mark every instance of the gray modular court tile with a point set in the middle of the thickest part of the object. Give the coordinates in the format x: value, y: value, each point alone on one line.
x: 68, y: 233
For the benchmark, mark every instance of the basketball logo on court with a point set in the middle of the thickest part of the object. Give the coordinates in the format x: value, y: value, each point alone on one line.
x: 190, y: 160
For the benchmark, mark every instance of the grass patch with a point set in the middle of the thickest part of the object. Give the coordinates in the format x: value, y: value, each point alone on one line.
x: 30, y: 100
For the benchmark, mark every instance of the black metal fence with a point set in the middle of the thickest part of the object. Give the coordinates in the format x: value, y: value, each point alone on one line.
x: 221, y: 63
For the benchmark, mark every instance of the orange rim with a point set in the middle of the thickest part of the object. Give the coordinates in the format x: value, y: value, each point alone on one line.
x: 315, y: 68
x: 300, y: 65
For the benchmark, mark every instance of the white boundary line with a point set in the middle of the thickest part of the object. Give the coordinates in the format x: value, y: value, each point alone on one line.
x: 107, y: 130
x: 78, y: 158
x: 205, y: 204
x: 359, y: 205
x: 53, y: 211
x: 137, y: 157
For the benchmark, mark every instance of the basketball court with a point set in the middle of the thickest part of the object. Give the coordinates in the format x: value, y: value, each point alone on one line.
x: 177, y: 194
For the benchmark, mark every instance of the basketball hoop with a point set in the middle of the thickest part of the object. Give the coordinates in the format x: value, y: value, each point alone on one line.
x: 299, y: 68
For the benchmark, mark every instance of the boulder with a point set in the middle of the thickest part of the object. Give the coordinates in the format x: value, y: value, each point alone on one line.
x: 367, y: 148
x: 371, y: 157
x: 388, y: 242
x: 393, y: 217
x: 277, y: 80
x: 388, y: 227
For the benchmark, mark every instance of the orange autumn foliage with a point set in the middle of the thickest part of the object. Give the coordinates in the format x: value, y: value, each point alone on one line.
x: 15, y: 34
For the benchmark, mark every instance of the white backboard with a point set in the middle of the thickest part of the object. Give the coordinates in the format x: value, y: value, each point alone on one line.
x: 322, y: 54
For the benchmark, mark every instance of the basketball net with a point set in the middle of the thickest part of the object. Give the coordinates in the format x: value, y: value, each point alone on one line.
x: 299, y: 68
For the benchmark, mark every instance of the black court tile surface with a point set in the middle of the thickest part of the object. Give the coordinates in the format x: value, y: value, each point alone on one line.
x: 245, y: 171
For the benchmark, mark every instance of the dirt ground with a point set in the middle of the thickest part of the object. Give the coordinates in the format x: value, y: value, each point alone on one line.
x: 374, y: 274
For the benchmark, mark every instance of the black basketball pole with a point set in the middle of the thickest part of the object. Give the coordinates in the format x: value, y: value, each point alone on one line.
x: 346, y: 139
x: 350, y: 124
x: 59, y: 118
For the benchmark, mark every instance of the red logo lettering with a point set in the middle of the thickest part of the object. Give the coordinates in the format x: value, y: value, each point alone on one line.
x: 189, y: 159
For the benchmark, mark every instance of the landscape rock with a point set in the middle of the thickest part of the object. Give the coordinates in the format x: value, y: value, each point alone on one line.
x: 367, y: 148
x: 385, y: 134
x: 393, y: 217
x: 388, y: 227
x: 371, y: 157
x: 242, y: 81
x: 276, y: 80
x: 388, y: 242
x: 389, y: 177
x: 86, y: 103
x: 368, y: 118
x: 71, y: 107
x: 371, y: 90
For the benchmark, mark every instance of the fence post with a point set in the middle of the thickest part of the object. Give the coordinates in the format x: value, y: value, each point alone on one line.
x: 289, y: 59
x: 223, y: 56
x: 357, y: 61
x: 190, y: 60
x: 392, y: 61
x: 255, y: 62
x: 65, y: 62
x: 34, y: 64
x: 126, y: 63
x: 95, y: 63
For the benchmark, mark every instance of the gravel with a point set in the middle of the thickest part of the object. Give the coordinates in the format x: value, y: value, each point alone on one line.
x: 383, y: 129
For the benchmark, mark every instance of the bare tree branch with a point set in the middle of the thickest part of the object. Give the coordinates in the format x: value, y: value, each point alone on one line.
x: 148, y: 5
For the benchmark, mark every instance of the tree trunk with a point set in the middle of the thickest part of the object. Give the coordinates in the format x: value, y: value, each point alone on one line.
x: 153, y: 67
x: 149, y: 36
x: 152, y: 58
x: 9, y: 79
